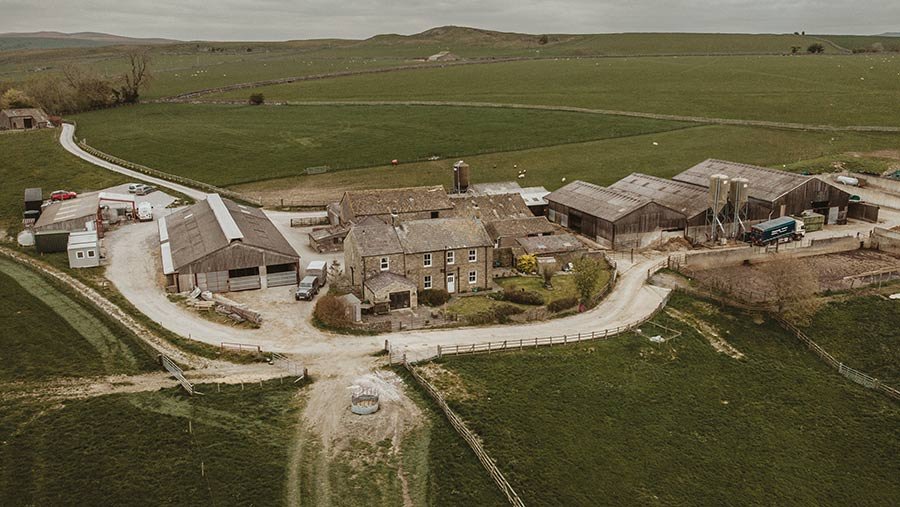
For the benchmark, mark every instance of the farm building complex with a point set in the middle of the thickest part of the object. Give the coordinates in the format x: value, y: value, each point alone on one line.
x: 221, y: 246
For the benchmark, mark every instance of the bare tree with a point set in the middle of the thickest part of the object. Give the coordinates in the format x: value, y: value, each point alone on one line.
x: 795, y: 290
x: 136, y: 77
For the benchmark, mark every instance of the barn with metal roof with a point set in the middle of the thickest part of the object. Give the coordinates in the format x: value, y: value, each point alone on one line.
x: 612, y: 217
x: 774, y: 193
x: 221, y: 246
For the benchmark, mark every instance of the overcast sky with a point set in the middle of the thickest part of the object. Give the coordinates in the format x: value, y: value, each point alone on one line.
x: 303, y: 19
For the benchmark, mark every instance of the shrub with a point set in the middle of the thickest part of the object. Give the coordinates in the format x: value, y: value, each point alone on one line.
x: 332, y: 312
x: 257, y: 99
x: 433, y: 297
x: 561, y: 304
x: 498, y: 314
x: 587, y: 276
x: 522, y: 297
x: 815, y: 48
x: 526, y: 263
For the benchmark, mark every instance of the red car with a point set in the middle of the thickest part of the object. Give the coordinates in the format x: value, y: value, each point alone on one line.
x: 62, y: 195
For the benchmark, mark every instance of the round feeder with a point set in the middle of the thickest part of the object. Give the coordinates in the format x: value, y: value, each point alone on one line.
x: 364, y: 402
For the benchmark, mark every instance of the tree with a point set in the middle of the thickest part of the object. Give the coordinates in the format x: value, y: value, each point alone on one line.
x: 15, y: 98
x: 587, y: 276
x: 257, y: 99
x: 543, y: 40
x: 795, y: 289
x: 331, y: 311
x: 136, y: 77
x: 815, y: 48
x: 89, y: 90
x: 547, y: 272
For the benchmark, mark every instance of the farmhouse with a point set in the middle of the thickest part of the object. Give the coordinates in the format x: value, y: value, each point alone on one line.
x: 389, y: 205
x: 613, y: 218
x: 221, y: 246
x: 689, y: 200
x: 775, y: 193
x: 23, y: 119
x: 448, y: 253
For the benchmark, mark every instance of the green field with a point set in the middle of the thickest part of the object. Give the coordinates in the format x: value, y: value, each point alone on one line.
x: 49, y: 333
x: 628, y: 422
x: 225, y: 145
x: 602, y: 162
x: 135, y: 449
x: 862, y: 333
x: 839, y: 90
x: 35, y: 159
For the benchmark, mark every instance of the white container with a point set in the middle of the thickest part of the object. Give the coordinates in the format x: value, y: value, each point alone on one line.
x: 848, y: 180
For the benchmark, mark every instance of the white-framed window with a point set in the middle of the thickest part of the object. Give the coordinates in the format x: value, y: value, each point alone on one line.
x: 451, y: 257
x: 79, y: 255
x: 427, y: 282
x: 426, y: 260
x: 385, y: 264
x: 91, y: 254
x: 473, y: 277
x: 473, y: 255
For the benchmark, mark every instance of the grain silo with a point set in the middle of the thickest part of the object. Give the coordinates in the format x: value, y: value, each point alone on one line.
x: 739, y: 195
x: 460, y: 177
x: 717, y: 200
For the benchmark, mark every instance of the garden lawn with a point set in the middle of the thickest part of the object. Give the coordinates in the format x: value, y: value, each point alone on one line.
x: 820, y: 89
x: 36, y: 159
x: 629, y: 422
x: 225, y: 145
x: 563, y: 286
x: 862, y: 332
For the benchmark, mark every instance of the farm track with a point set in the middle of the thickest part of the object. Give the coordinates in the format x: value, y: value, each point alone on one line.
x: 573, y: 109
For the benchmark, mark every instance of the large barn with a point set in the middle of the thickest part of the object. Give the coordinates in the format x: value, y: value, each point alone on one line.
x: 774, y: 193
x: 689, y: 200
x: 221, y: 246
x: 613, y: 218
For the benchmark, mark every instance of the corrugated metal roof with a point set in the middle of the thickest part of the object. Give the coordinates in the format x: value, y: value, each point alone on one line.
x: 82, y: 239
x: 226, y: 222
x: 83, y: 207
x: 676, y: 195
x: 597, y: 201
x: 765, y: 184
x: 33, y: 194
x: 167, y: 262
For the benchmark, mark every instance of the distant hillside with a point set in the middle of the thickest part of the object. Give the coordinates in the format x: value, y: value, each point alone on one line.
x: 51, y: 40
x: 467, y: 37
x: 891, y: 34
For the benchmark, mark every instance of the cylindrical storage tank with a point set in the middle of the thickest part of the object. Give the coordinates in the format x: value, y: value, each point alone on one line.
x: 848, y: 180
x: 740, y: 188
x: 25, y: 238
x: 461, y: 177
x: 718, y: 192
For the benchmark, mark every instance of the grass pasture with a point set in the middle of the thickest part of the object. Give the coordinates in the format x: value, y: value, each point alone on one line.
x: 135, y: 449
x: 602, y: 162
x: 629, y: 422
x: 49, y: 333
x: 838, y: 90
x: 226, y: 145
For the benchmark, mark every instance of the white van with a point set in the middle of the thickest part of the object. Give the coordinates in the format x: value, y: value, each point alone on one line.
x: 145, y: 212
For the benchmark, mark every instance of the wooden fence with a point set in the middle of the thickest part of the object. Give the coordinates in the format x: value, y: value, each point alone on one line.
x: 206, y: 187
x: 471, y: 438
x: 240, y: 347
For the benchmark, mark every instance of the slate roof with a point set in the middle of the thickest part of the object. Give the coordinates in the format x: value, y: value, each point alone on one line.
x: 214, y: 223
x: 375, y: 239
x: 519, y: 227
x: 561, y: 243
x: 765, y: 184
x: 441, y: 234
x: 385, y: 279
x: 35, y: 113
x: 597, y: 201
x: 490, y: 207
x: 685, y: 198
x: 401, y: 200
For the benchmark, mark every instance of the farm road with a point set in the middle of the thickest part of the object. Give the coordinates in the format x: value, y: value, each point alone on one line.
x: 572, y: 109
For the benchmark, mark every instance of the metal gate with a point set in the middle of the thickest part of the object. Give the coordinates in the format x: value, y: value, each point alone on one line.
x: 280, y: 279
x: 216, y: 281
x: 244, y: 283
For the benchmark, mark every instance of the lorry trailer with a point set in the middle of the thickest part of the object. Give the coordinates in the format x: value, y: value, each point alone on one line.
x: 776, y: 230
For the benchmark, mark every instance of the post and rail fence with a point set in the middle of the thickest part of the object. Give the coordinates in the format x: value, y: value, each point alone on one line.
x: 178, y: 373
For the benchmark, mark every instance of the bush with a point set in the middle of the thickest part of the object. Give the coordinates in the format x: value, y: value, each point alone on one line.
x: 526, y: 263
x: 561, y: 304
x: 498, y: 314
x: 522, y: 297
x: 433, y: 297
x: 815, y: 48
x: 257, y: 99
x: 332, y: 312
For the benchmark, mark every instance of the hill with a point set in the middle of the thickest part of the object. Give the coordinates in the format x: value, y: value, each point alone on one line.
x: 51, y: 40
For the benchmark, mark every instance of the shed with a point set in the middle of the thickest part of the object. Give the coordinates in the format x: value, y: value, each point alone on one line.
x: 34, y: 198
x: 774, y: 193
x: 79, y: 214
x: 23, y: 119
x: 504, y: 233
x: 328, y: 239
x: 84, y: 249
x: 221, y: 246
x: 613, y: 218
x: 562, y: 247
x: 354, y: 307
x: 51, y: 241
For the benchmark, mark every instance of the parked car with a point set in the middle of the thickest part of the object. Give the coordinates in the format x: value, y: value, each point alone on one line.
x: 145, y: 212
x: 145, y: 189
x: 133, y: 187
x: 307, y: 289
x: 62, y: 195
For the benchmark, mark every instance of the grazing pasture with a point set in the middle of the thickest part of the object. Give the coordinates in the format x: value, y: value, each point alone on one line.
x: 226, y: 145
x: 821, y: 89
x: 630, y: 422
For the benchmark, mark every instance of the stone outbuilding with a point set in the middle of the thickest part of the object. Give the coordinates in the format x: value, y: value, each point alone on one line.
x: 561, y: 248
x: 221, y: 246
x: 395, y: 205
x: 23, y: 119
